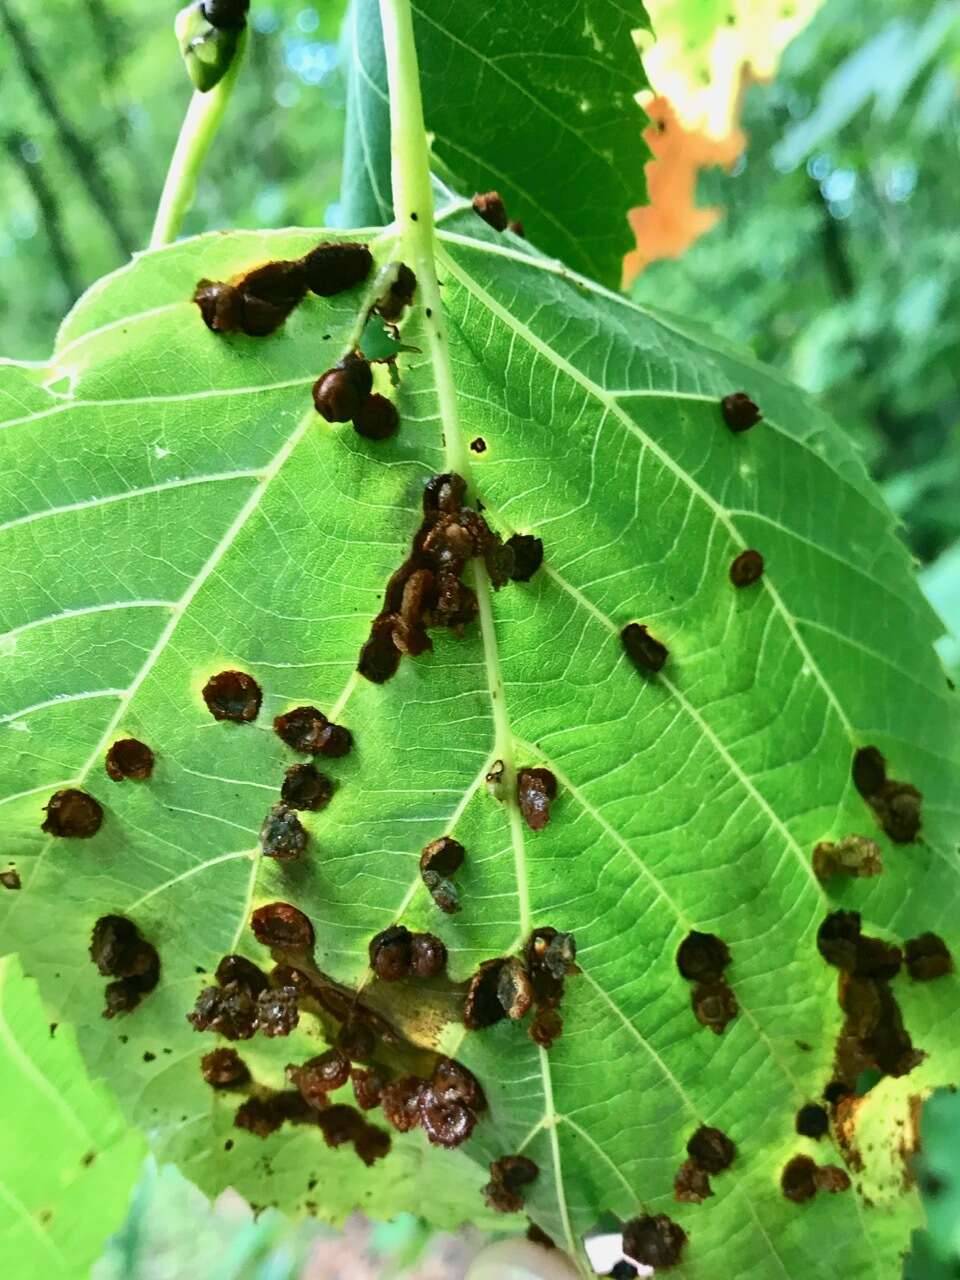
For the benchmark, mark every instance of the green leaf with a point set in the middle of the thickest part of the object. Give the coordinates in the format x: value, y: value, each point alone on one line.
x: 540, y: 108
x: 174, y: 507
x: 67, y: 1161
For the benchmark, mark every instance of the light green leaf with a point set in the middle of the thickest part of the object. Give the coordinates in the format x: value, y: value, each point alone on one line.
x: 174, y: 506
x: 540, y: 107
x: 67, y: 1160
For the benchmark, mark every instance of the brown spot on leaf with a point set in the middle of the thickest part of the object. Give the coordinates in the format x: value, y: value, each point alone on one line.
x: 509, y: 1177
x: 928, y: 957
x: 306, y: 788
x: 654, y: 1241
x: 224, y: 1069
x: 280, y: 925
x: 691, y: 1185
x: 812, y: 1121
x: 747, y: 568
x: 232, y: 695
x: 739, y: 411
x: 527, y: 555
x: 830, y: 1177
x: 536, y: 789
x: 478, y: 445
x: 282, y: 835
x: 645, y: 652
x: 129, y: 758
x: 10, y: 879
x: 712, y: 1150
x: 376, y: 418
x: 489, y: 205
x: 72, y: 814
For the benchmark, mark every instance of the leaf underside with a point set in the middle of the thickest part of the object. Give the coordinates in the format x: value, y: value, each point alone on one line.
x: 172, y: 506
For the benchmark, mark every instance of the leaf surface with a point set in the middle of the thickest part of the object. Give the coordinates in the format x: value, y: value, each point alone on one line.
x: 68, y: 1162
x: 173, y: 507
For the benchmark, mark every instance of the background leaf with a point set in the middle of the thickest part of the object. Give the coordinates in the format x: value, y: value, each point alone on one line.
x: 67, y: 1161
x: 210, y: 520
x: 532, y: 100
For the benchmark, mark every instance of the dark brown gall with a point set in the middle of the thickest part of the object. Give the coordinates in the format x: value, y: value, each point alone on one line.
x: 398, y: 297
x: 282, y: 926
x: 339, y: 393
x: 368, y: 1086
x: 654, y: 1241
x: 332, y: 267
x: 401, y: 1102
x: 527, y: 555
x: 428, y: 956
x: 714, y: 1005
x: 928, y: 957
x: 232, y: 695
x: 453, y: 1082
x: 305, y: 788
x: 645, y: 652
x: 536, y: 789
x: 746, y: 569
x: 869, y: 771
x: 391, y: 953
x: 739, y: 411
x: 443, y: 856
x: 482, y: 1007
x: 282, y: 835
x: 129, y: 758
x: 224, y: 1069
x: 446, y: 1124
x: 72, y: 814
x: 10, y: 879
x: 489, y: 205
x: 377, y: 418
x: 812, y: 1121
x: 702, y: 957
x: 234, y: 968
x: 691, y: 1185
x: 712, y: 1150
x: 221, y: 305
x: 798, y: 1179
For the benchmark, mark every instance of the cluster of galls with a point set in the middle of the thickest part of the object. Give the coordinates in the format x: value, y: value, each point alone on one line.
x: 873, y: 1036
x: 345, y: 394
x: 801, y: 1179
x: 896, y: 805
x: 244, y: 1002
x: 119, y: 952
x: 396, y: 953
x: 257, y: 302
x: 428, y: 590
x: 508, y: 987
x: 709, y: 1151
x: 445, y: 1106
x: 701, y: 959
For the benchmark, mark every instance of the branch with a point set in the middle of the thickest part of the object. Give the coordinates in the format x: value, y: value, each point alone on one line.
x: 85, y: 161
x: 49, y: 211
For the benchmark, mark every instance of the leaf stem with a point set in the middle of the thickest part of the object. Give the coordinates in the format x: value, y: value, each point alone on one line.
x: 198, y: 130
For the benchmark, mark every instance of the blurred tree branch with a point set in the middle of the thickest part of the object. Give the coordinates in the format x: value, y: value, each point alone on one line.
x: 49, y: 212
x: 86, y: 164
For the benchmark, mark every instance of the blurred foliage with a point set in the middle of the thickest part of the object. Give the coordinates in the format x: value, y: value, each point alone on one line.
x: 838, y: 259
x: 935, y: 1253
x: 109, y: 74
